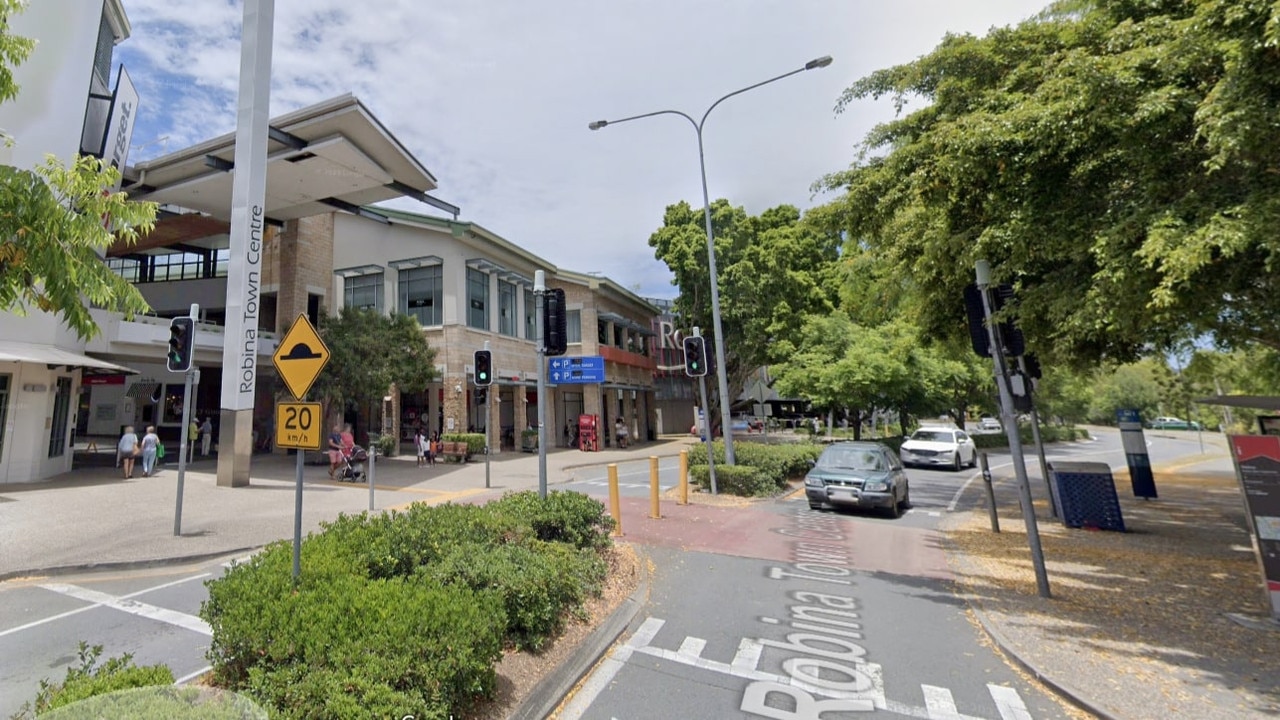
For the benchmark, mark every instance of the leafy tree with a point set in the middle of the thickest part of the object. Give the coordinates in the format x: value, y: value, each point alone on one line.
x: 54, y: 221
x: 774, y: 271
x: 1114, y: 160
x: 369, y: 354
x: 1127, y: 386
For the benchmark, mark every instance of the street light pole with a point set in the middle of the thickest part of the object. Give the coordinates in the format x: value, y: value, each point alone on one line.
x: 722, y: 377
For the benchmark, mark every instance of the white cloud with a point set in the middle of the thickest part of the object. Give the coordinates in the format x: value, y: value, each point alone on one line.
x: 494, y: 98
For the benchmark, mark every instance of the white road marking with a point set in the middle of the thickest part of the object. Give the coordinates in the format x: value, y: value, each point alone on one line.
x: 609, y: 667
x: 939, y: 703
x: 192, y: 676
x: 77, y: 611
x: 152, y: 612
x: 1008, y: 702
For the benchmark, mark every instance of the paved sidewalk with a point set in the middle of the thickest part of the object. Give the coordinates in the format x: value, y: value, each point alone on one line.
x: 92, y: 517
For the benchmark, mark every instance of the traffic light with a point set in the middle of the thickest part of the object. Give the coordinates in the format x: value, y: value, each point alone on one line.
x: 695, y: 356
x: 484, y: 368
x: 1010, y: 334
x: 554, y: 336
x: 182, y: 335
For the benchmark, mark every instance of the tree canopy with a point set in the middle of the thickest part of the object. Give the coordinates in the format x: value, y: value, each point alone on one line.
x: 1114, y: 160
x: 57, y: 220
x: 775, y: 269
x: 369, y: 353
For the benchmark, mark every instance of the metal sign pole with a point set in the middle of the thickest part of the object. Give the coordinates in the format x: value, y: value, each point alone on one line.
x: 297, y: 518
x: 539, y: 299
x: 373, y: 470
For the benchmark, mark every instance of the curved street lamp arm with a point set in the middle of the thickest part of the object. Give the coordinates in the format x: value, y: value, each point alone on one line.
x: 749, y: 87
x: 603, y: 123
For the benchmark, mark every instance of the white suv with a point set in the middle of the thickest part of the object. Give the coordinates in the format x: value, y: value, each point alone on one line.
x: 939, y: 446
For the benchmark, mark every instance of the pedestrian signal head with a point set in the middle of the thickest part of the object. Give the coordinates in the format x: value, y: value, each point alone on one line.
x: 695, y: 356
x: 182, y: 331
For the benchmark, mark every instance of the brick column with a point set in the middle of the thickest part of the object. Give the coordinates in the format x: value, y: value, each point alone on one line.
x: 455, y: 404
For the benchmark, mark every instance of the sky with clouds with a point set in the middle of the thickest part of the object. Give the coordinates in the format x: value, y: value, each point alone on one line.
x: 494, y: 98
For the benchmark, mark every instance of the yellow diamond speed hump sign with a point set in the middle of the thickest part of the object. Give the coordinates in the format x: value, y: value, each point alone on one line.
x: 300, y: 357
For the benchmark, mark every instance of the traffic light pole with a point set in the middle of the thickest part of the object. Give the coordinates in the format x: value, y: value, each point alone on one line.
x: 539, y: 298
x: 192, y: 380
x: 706, y: 421
x: 488, y: 425
x: 1011, y: 430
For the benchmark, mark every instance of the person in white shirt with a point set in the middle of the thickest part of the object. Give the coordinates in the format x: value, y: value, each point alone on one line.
x: 206, y: 436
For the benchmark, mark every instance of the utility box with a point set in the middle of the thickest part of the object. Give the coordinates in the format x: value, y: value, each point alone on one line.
x: 1087, y: 495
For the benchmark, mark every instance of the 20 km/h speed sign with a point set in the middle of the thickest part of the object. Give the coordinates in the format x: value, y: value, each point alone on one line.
x: 299, y: 425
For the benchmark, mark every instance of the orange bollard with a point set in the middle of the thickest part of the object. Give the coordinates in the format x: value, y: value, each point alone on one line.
x: 654, y: 511
x: 684, y: 477
x: 615, y: 503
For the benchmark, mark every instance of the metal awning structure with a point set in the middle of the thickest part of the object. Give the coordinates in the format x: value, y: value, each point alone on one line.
x: 1256, y: 402
x: 12, y: 351
x: 332, y: 155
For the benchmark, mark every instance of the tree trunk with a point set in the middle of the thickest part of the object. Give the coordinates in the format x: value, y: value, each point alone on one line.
x: 902, y: 421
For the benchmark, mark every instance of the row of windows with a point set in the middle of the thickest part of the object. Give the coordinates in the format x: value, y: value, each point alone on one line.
x: 173, y: 266
x: 421, y: 294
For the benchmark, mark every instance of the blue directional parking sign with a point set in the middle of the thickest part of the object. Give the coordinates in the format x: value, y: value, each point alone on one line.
x: 582, y: 369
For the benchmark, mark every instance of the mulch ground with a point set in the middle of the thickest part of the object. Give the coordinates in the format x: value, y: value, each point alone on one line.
x: 1138, y: 622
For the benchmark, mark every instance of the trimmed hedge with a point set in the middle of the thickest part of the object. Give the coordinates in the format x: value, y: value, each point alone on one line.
x: 741, y: 480
x: 475, y: 441
x: 776, y: 464
x: 1048, y: 434
x: 404, y: 613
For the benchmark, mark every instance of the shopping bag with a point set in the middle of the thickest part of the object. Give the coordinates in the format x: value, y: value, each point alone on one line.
x: 160, y: 451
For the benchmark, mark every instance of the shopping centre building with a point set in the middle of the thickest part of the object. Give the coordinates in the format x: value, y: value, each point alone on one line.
x: 325, y: 245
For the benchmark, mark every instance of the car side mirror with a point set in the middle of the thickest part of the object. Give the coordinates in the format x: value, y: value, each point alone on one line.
x: 813, y: 463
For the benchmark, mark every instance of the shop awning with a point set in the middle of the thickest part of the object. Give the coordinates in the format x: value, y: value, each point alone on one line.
x: 11, y: 351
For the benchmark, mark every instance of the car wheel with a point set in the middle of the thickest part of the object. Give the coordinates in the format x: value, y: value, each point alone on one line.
x: 973, y: 459
x: 895, y: 509
x: 955, y: 462
x: 906, y: 497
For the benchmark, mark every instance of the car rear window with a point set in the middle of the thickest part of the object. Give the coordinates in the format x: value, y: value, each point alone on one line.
x: 851, y: 459
x: 933, y: 436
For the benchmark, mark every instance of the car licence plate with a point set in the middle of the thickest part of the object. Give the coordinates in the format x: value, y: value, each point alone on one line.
x: 846, y: 495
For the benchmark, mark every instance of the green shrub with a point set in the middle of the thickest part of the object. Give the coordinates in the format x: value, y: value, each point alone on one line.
x: 779, y: 463
x: 742, y: 480
x: 1048, y: 434
x: 538, y: 582
x: 90, y: 679
x: 567, y: 517
x: 427, y: 648
x: 475, y: 441
x: 162, y: 702
x: 404, y: 613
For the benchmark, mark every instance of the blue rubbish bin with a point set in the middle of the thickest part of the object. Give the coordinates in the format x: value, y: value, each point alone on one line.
x: 1087, y: 495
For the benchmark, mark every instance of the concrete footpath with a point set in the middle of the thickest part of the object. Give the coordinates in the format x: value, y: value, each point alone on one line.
x: 94, y: 518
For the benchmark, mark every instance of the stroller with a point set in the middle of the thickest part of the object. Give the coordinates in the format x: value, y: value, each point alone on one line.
x: 352, y: 467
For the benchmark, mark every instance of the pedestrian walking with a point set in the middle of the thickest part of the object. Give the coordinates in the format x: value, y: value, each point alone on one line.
x: 129, y: 450
x: 206, y: 436
x: 433, y: 448
x: 420, y: 446
x: 150, y: 446
x: 620, y: 429
x: 193, y: 434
